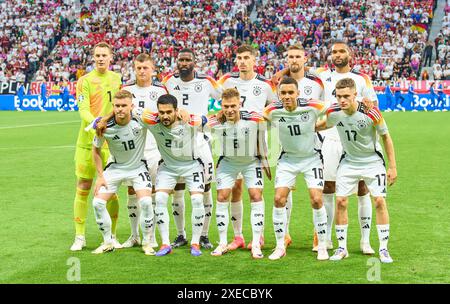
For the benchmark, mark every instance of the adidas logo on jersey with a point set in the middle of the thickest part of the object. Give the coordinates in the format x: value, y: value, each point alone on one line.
x: 279, y: 231
x: 384, y: 190
x: 320, y: 184
x: 328, y: 79
x: 366, y: 226
x: 177, y: 88
x: 116, y: 137
x: 340, y: 124
x: 259, y: 183
x: 282, y: 119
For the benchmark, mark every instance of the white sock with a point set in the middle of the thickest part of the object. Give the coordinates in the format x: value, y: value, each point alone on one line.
x: 341, y: 235
x: 146, y: 218
x: 162, y: 216
x: 288, y: 211
x: 383, y: 235
x: 365, y: 216
x: 222, y: 219
x: 197, y: 217
x: 279, y: 222
x: 208, y: 203
x: 153, y: 229
x: 133, y: 214
x: 320, y: 223
x: 257, y: 221
x: 237, y: 209
x: 328, y: 202
x: 102, y: 218
x: 178, y: 212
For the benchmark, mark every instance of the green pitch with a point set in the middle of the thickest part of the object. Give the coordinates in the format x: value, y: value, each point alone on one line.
x: 36, y: 200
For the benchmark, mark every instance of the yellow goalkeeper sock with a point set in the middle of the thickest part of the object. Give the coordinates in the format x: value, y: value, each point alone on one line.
x: 80, y: 207
x: 113, y: 209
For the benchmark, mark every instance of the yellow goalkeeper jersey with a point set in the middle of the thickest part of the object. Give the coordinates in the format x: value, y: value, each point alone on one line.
x: 94, y: 94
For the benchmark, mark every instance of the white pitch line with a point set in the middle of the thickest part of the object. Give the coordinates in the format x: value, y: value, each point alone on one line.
x: 40, y: 125
x: 37, y: 147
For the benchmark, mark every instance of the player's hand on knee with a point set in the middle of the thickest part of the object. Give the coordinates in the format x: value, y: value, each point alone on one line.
x: 100, y: 182
x: 392, y: 176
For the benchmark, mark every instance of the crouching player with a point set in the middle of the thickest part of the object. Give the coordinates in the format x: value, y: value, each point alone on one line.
x: 238, y: 139
x: 362, y: 159
x: 126, y: 140
x: 296, y: 122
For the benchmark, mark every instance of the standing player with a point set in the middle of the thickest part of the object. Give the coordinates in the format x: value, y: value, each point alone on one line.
x: 238, y: 142
x: 177, y: 144
x: 309, y: 87
x: 193, y: 92
x: 399, y: 99
x: 20, y: 96
x: 43, y: 97
x: 256, y: 92
x: 126, y: 139
x: 145, y: 94
x: 332, y: 147
x: 390, y: 101
x: 94, y: 92
x: 362, y: 160
x: 296, y: 121
x: 64, y: 94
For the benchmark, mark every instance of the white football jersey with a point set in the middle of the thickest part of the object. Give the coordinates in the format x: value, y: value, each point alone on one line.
x: 255, y: 93
x: 178, y: 144
x: 296, y: 129
x: 146, y: 98
x: 310, y: 87
x: 194, y: 95
x: 237, y: 142
x: 126, y: 144
x: 358, y: 133
x: 330, y: 77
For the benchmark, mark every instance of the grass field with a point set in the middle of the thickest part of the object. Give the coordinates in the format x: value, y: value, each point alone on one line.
x: 36, y: 200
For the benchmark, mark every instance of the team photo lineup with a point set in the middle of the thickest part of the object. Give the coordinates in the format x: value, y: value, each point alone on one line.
x: 253, y: 141
x: 178, y: 152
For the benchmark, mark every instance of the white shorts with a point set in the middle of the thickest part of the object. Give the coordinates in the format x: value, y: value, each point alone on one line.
x: 205, y: 155
x: 289, y: 168
x: 331, y: 152
x: 227, y: 173
x: 152, y: 158
x: 349, y: 174
x: 138, y: 178
x: 194, y: 178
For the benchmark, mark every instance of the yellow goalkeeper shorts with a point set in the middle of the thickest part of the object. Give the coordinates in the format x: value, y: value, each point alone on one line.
x: 84, y: 162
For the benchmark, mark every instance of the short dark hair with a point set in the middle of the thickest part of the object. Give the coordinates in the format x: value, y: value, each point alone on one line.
x: 246, y: 48
x: 186, y: 50
x: 346, y: 83
x: 288, y: 80
x: 167, y: 99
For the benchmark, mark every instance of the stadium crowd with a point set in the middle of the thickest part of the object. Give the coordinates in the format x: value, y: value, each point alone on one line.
x: 48, y: 40
x: 441, y: 67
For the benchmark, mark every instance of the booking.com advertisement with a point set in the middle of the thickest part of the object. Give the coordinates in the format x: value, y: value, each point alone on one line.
x: 34, y: 102
x: 419, y: 102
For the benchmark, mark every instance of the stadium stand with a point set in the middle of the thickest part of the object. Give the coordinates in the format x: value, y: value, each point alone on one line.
x: 48, y: 40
